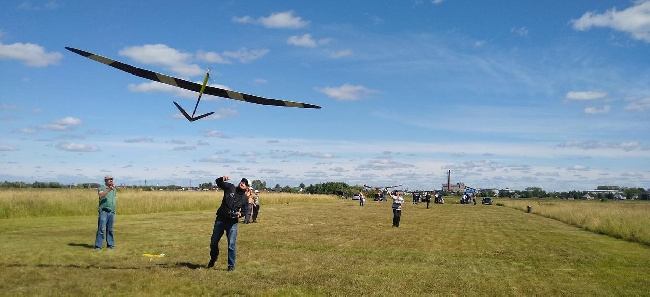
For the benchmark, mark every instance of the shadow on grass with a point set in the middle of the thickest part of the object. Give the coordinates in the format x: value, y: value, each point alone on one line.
x: 85, y: 245
x: 181, y: 265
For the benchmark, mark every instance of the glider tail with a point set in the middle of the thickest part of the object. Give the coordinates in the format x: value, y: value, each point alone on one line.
x: 191, y: 118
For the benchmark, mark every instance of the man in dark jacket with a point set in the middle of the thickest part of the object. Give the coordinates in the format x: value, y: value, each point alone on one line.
x: 233, y: 203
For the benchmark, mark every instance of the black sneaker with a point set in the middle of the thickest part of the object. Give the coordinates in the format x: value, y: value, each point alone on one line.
x: 231, y: 268
x: 211, y: 263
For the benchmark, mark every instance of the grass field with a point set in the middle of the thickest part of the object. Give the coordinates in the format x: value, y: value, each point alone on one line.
x: 318, y: 245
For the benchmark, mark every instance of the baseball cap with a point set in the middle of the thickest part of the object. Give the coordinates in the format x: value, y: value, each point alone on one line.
x: 257, y: 191
x: 108, y: 177
x: 246, y: 182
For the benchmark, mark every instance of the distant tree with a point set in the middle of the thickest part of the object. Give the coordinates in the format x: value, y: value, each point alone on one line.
x: 277, y: 188
x: 258, y: 184
x: 206, y: 186
x: 302, y: 185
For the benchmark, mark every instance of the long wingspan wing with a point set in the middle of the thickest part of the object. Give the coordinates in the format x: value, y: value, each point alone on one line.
x: 188, y: 85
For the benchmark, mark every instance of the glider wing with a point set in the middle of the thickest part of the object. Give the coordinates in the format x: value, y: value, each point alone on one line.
x: 184, y: 84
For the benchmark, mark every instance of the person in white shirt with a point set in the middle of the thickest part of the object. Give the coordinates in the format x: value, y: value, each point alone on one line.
x: 398, y: 200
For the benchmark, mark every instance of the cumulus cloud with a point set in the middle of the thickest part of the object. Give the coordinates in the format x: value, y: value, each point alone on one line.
x: 278, y: 20
x: 521, y: 31
x: 139, y: 140
x: 32, y: 55
x: 347, y: 92
x: 596, y: 110
x: 303, y: 40
x: 587, y: 95
x: 76, y: 147
x: 217, y: 159
x: 63, y: 124
x: 26, y: 131
x: 184, y: 148
x: 638, y: 105
x: 162, y: 55
x: 592, y: 144
x: 212, y: 57
x: 246, y: 56
x: 7, y: 148
x: 306, y: 40
x: 284, y: 19
x: 339, y: 53
x: 578, y: 168
x: 634, y: 20
x: 213, y: 133
x: 383, y: 164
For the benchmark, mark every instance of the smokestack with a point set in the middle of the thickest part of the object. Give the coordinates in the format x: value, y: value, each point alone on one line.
x: 448, y: 180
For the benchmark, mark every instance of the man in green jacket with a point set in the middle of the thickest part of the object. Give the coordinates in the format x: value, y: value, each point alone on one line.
x: 107, y: 194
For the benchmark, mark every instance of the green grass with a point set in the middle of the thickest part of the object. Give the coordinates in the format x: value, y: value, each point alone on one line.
x: 324, y: 246
x: 629, y: 220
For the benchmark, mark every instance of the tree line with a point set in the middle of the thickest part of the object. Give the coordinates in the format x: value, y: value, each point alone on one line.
x: 343, y: 189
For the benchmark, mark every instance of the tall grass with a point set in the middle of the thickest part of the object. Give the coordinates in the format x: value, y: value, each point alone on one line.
x: 22, y: 203
x: 628, y: 220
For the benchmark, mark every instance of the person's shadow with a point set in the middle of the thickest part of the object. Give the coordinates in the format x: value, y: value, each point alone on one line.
x: 84, y: 245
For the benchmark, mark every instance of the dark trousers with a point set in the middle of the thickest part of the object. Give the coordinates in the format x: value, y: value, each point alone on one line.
x: 397, y: 214
x: 256, y: 210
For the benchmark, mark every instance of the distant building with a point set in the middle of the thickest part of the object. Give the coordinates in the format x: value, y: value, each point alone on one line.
x: 454, y: 188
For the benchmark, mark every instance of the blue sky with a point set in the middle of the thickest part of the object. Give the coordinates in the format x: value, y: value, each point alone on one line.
x: 551, y: 94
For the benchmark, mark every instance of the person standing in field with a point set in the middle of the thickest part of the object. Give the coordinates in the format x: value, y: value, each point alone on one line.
x: 233, y: 203
x: 398, y: 200
x: 427, y: 198
x: 362, y: 198
x: 107, y: 195
x: 256, y: 205
x: 249, y: 206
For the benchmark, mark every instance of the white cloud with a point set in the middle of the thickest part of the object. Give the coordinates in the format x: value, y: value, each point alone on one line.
x: 213, y: 133
x: 211, y: 57
x: 588, y: 95
x: 304, y: 40
x: 63, y: 124
x: 184, y: 148
x: 162, y: 55
x: 76, y: 147
x: 638, y: 105
x: 246, y: 56
x: 339, y: 54
x: 578, y: 168
x: 244, y: 20
x: 27, y: 131
x: 634, y: 20
x: 596, y: 110
x: 347, y: 92
x: 521, y: 31
x: 592, y: 145
x: 139, y: 140
x: 7, y: 148
x: 216, y: 159
x: 31, y: 54
x: 283, y: 20
x: 278, y: 20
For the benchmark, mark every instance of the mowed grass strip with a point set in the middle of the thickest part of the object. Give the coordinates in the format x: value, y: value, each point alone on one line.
x: 324, y: 247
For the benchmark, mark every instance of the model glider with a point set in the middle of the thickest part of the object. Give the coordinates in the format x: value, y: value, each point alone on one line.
x: 378, y: 188
x: 192, y: 86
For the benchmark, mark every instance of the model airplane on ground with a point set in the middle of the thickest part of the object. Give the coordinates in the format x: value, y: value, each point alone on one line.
x: 192, y: 86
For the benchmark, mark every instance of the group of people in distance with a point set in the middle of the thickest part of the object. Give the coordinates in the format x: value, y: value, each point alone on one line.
x: 238, y: 201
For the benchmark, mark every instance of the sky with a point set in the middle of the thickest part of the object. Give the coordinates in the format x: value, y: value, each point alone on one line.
x: 503, y: 94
